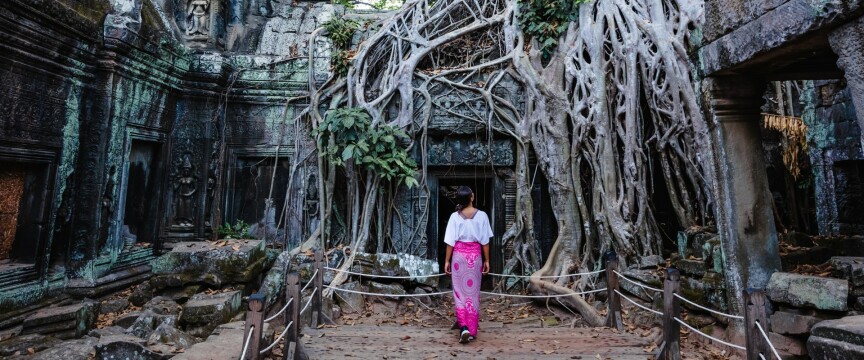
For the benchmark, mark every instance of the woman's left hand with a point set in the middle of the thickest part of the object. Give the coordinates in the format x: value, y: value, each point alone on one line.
x: 486, y: 267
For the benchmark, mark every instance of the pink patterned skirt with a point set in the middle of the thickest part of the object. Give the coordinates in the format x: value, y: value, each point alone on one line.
x: 466, y: 274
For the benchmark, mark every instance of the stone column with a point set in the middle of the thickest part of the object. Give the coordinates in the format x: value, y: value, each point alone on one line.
x: 848, y: 43
x: 745, y: 217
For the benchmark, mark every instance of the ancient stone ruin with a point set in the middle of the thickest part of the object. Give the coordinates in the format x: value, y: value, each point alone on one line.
x: 162, y: 162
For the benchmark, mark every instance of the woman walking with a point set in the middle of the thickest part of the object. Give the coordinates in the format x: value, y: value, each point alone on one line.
x: 468, y: 231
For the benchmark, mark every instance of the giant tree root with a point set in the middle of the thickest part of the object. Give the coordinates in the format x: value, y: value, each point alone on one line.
x: 588, y: 312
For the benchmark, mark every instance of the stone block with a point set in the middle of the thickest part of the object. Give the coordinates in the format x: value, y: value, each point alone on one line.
x: 788, y: 345
x: 225, y: 343
x: 418, y: 268
x: 837, y: 339
x: 163, y: 306
x: 203, y: 313
x: 20, y: 344
x: 797, y: 290
x: 352, y: 303
x: 126, y: 348
x: 214, y: 263
x: 181, y: 294
x: 167, y: 334
x: 141, y: 294
x: 650, y: 261
x: 80, y: 349
x: 126, y: 320
x: 112, y: 306
x: 387, y: 289
x: 64, y: 322
x: 691, y: 267
x: 788, y: 323
x: 145, y: 323
x: 850, y: 268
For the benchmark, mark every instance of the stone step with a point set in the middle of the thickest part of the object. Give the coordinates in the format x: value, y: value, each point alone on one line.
x: 64, y: 322
x: 839, y: 339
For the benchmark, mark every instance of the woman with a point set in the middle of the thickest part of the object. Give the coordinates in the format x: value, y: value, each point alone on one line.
x: 467, y: 232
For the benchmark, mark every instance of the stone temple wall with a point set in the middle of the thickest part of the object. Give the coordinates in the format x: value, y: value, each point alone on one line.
x: 835, y: 152
x: 128, y: 119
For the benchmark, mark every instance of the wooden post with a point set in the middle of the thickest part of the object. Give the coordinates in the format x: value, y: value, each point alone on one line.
x: 292, y: 291
x: 755, y: 309
x: 613, y: 317
x: 319, y: 284
x: 254, y: 321
x: 671, y: 347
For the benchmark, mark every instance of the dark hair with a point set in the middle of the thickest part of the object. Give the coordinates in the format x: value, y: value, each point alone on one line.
x: 463, y: 197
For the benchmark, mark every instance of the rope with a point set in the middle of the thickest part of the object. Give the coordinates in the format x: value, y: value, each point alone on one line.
x: 383, y: 276
x: 280, y: 311
x: 634, y: 282
x: 707, y: 309
x: 248, y: 341
x: 739, y: 347
x: 387, y: 295
x: 638, y: 305
x: 764, y: 335
x: 482, y: 292
x: 548, y: 276
x: 277, y: 339
x: 761, y: 357
x: 310, y: 281
x: 309, y: 302
x: 543, y: 296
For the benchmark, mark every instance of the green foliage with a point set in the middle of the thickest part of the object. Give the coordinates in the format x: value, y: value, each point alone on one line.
x: 546, y: 20
x: 346, y: 3
x: 240, y: 230
x: 340, y: 31
x: 348, y: 135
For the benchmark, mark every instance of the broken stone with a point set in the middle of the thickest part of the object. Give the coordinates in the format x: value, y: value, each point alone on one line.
x: 352, y: 303
x: 423, y: 299
x: 203, y: 313
x: 837, y: 339
x: 162, y: 306
x: 112, y: 306
x: 225, y: 343
x: 850, y: 268
x: 273, y: 285
x: 797, y: 290
x: 650, y: 261
x: 181, y: 294
x: 692, y: 267
x: 107, y: 331
x: 213, y: 263
x: 64, y: 322
x: 126, y: 348
x: 141, y: 294
x: 126, y: 320
x: 147, y: 322
x: 167, y: 334
x: 788, y: 345
x: 788, y: 323
x: 420, y: 269
x: 20, y: 344
x: 386, y: 289
x: 80, y: 349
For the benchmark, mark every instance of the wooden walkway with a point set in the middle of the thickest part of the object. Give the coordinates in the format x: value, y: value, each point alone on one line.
x: 494, y: 342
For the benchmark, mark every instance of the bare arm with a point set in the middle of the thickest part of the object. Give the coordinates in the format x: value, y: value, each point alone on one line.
x: 447, y: 259
x: 486, y: 258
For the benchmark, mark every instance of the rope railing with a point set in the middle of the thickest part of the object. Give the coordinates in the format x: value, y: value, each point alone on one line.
x: 547, y: 276
x: 693, y: 329
x: 634, y: 282
x: 275, y: 342
x: 309, y: 302
x: 315, y: 274
x: 409, y: 277
x: 638, y: 304
x: 395, y: 277
x: 767, y: 341
x: 737, y: 317
x: 287, y: 303
x: 247, y: 343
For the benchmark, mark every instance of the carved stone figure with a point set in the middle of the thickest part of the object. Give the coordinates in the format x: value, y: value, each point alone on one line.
x: 185, y: 187
x: 198, y: 18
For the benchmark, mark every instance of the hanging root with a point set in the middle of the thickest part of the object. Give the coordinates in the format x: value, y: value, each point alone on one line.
x: 616, y: 90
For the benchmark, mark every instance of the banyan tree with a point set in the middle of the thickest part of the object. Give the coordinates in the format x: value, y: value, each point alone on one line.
x: 610, y: 112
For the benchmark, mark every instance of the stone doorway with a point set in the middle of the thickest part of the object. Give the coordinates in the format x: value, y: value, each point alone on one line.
x: 487, y: 190
x: 23, y: 190
x: 140, y: 223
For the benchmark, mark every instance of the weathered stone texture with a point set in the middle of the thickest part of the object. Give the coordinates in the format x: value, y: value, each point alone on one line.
x: 788, y: 323
x: 839, y: 339
x: 203, y: 313
x: 65, y: 322
x: 238, y: 261
x: 798, y: 290
x: 773, y: 29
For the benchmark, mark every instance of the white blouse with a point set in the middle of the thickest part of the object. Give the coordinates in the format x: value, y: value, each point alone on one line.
x: 473, y: 229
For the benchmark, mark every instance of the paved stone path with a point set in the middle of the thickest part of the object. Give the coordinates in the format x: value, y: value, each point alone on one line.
x: 500, y: 342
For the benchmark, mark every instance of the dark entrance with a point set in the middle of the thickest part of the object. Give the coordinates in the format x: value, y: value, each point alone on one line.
x: 141, y: 205
x: 445, y: 204
x: 23, y: 194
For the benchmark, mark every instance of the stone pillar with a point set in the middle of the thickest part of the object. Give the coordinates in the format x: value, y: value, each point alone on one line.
x: 743, y: 202
x: 848, y: 43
